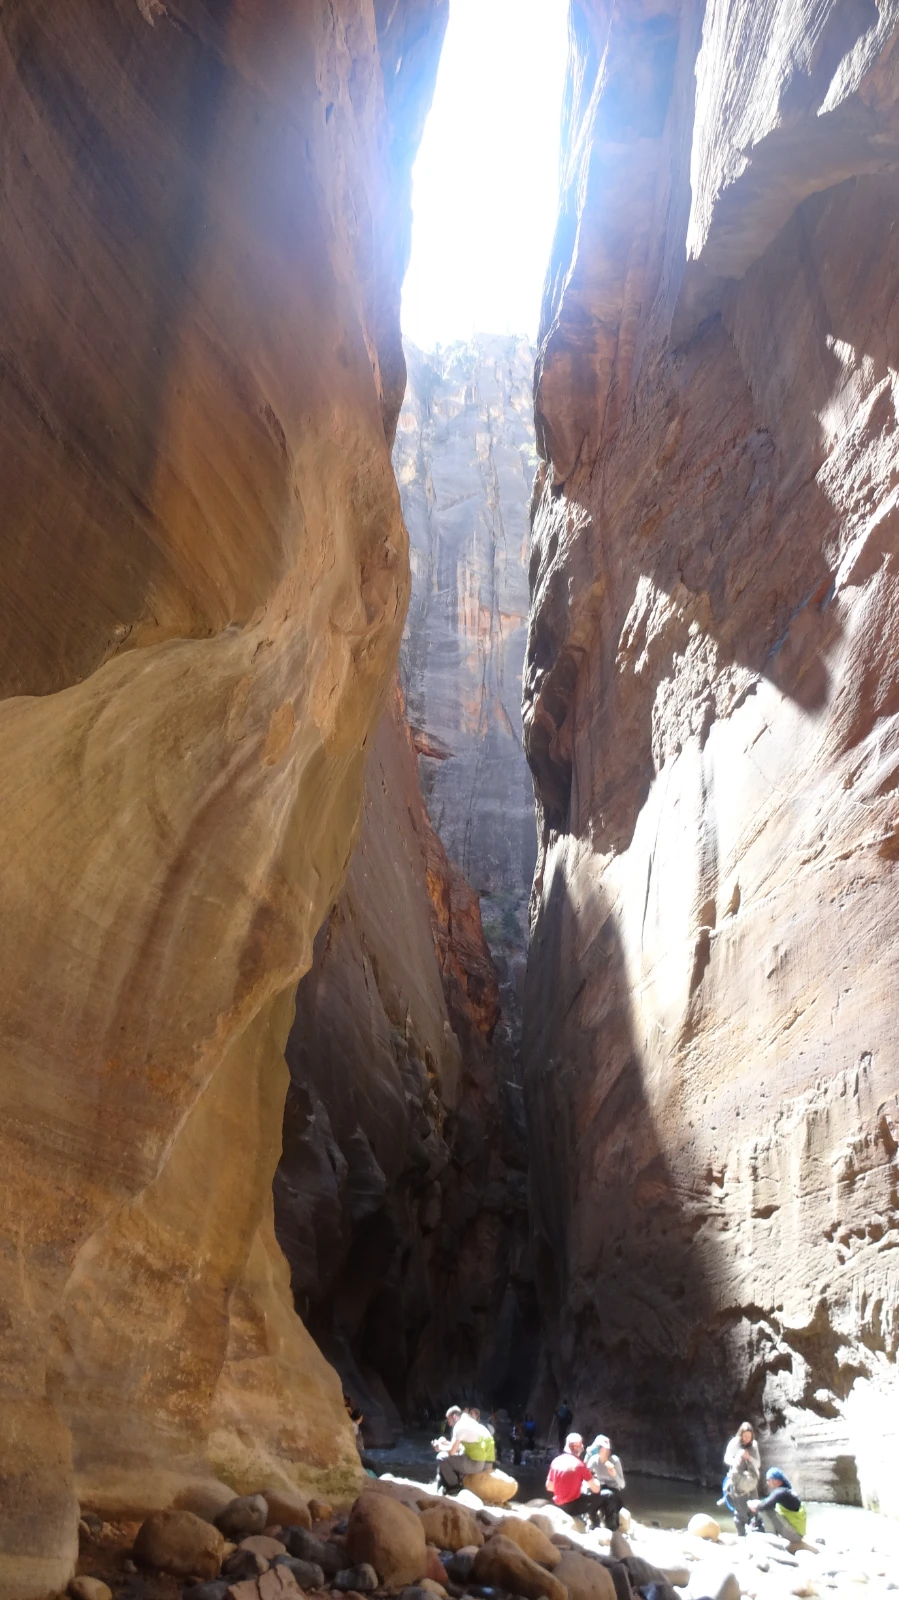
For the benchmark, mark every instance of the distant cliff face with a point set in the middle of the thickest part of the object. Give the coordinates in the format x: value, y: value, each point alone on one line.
x: 712, y: 715
x: 464, y: 459
x: 400, y: 1199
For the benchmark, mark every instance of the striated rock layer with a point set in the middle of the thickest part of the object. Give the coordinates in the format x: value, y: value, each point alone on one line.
x: 400, y: 1198
x: 465, y: 459
x: 712, y: 718
x: 205, y: 579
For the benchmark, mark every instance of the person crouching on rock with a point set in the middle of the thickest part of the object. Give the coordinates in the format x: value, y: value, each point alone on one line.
x: 608, y: 1473
x: 784, y: 1509
x: 469, y: 1449
x: 569, y: 1477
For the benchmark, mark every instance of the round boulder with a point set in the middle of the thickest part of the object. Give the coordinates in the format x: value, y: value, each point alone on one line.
x: 89, y: 1589
x: 390, y: 1537
x: 289, y: 1507
x: 529, y: 1538
x: 502, y: 1564
x: 244, y: 1515
x: 702, y: 1526
x: 584, y: 1579
x: 493, y: 1488
x: 450, y: 1526
x: 180, y: 1543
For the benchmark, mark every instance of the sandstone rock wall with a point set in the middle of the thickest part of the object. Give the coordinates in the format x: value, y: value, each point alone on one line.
x: 712, y: 717
x: 400, y: 1198
x: 404, y: 1220
x: 465, y: 459
x: 205, y: 579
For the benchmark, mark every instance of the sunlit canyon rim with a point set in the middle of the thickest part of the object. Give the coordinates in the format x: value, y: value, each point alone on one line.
x: 206, y: 582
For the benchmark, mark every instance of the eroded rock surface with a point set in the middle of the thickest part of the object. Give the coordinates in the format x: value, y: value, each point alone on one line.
x: 712, y: 716
x: 205, y: 579
x: 400, y: 1197
x: 464, y: 459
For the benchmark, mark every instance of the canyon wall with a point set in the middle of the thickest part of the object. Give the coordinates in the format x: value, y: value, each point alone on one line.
x: 465, y: 459
x: 712, y: 718
x: 400, y: 1199
x: 401, y: 1195
x: 205, y: 581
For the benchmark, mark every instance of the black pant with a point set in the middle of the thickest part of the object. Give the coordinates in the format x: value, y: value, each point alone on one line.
x: 586, y: 1505
x: 610, y: 1503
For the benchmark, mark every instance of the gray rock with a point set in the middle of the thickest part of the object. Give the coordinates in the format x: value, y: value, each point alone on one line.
x: 729, y: 1588
x: 619, y: 1549
x: 307, y: 1573
x: 303, y: 1544
x: 459, y: 1567
x: 246, y: 1514
x: 362, y: 1578
x: 216, y: 1590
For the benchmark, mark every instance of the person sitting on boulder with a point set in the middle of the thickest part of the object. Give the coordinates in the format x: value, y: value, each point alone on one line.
x: 469, y: 1449
x: 744, y: 1464
x: 785, y: 1510
x: 607, y: 1471
x: 567, y: 1479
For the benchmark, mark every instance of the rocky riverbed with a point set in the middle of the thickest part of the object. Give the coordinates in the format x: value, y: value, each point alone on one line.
x: 397, y: 1538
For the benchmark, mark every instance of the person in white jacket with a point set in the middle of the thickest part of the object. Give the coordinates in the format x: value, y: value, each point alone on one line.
x: 744, y: 1464
x: 607, y: 1471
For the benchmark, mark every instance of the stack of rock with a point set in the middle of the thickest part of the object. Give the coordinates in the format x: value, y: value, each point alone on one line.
x: 395, y: 1540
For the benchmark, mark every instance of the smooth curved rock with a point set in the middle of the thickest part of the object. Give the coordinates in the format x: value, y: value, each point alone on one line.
x: 530, y: 1539
x: 205, y: 577
x: 179, y: 1543
x: 450, y: 1526
x: 703, y: 1526
x: 494, y: 1488
x: 584, y: 1579
x: 389, y: 1537
x: 502, y: 1564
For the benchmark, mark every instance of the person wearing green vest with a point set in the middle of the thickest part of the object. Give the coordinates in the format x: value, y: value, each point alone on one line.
x: 786, y: 1513
x: 469, y: 1449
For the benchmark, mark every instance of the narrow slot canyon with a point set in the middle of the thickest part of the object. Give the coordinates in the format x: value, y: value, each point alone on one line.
x: 449, y: 774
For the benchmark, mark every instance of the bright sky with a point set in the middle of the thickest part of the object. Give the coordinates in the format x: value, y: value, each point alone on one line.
x: 485, y: 185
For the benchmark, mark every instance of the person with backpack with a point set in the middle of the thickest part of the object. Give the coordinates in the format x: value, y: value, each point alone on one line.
x: 564, y: 1419
x: 783, y: 1506
x: 468, y: 1449
x: 743, y: 1464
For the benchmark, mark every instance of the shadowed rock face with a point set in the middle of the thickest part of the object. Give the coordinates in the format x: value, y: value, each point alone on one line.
x: 205, y: 579
x: 400, y: 1194
x: 712, y: 717
x: 400, y: 1199
x: 464, y: 460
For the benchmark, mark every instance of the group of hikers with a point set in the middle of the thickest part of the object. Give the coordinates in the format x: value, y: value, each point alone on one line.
x: 587, y: 1481
x: 781, y: 1504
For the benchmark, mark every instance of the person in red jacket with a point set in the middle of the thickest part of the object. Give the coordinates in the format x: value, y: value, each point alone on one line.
x: 568, y: 1478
